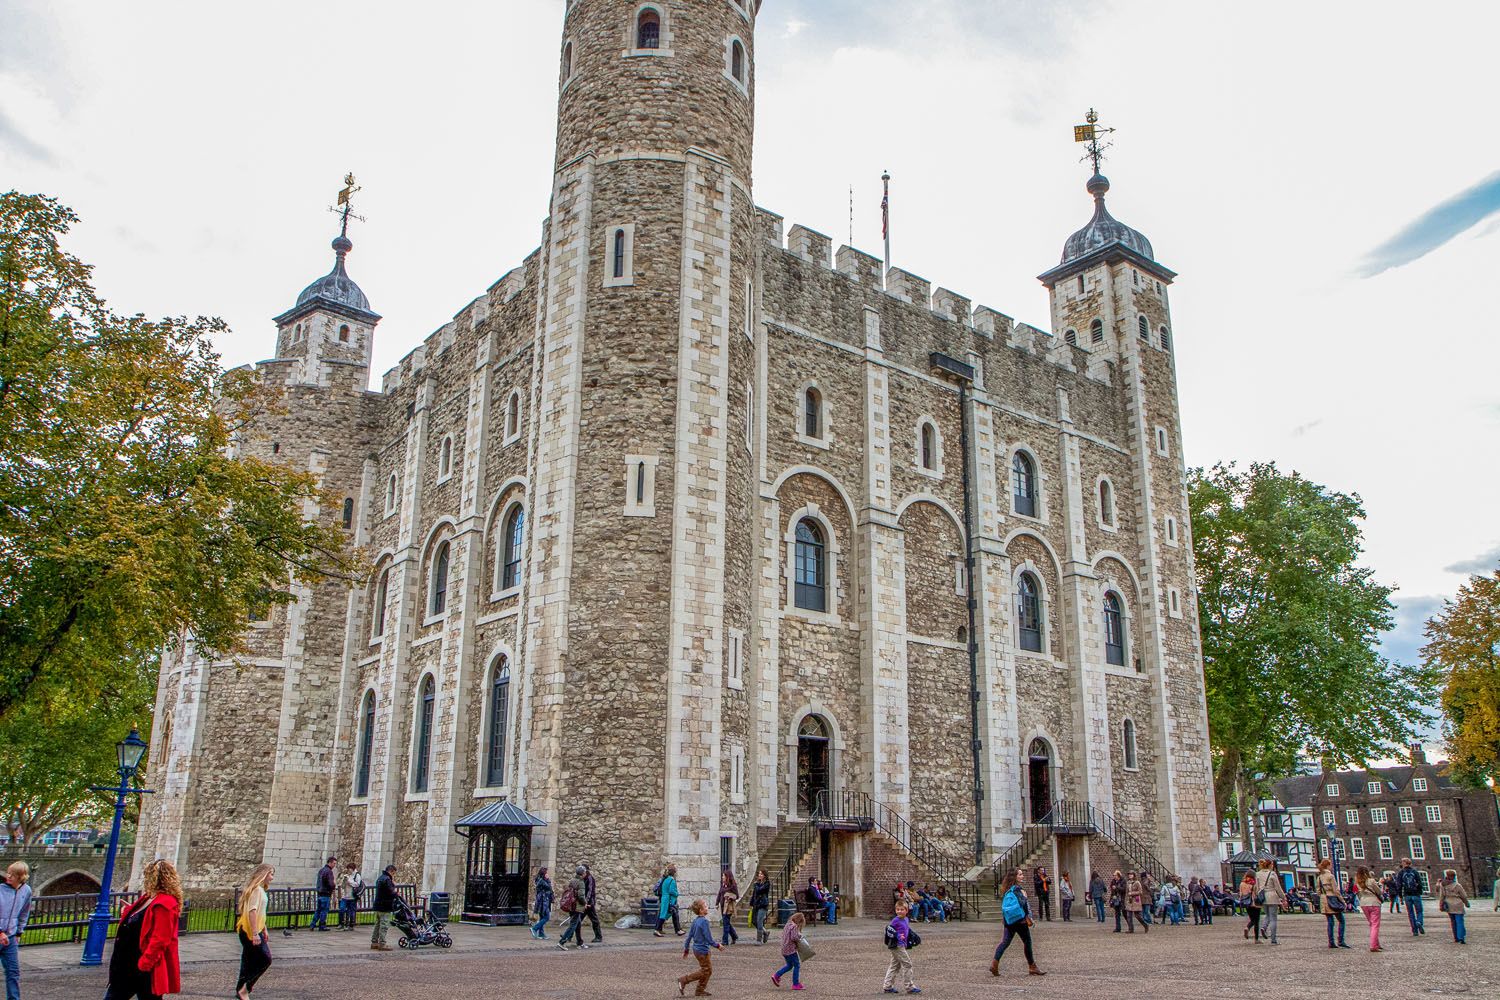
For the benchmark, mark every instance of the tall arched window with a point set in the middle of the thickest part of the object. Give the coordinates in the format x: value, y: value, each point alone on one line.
x: 445, y: 457
x: 348, y: 512
x: 390, y: 493
x: 567, y: 62
x: 513, y: 415
x: 811, y: 579
x: 377, y: 612
x: 439, y: 602
x: 737, y: 60
x: 1166, y: 339
x: 1023, y: 484
x: 510, y: 540
x: 1106, y: 503
x: 640, y: 482
x: 648, y: 30
x: 1096, y: 331
x: 1029, y: 612
x: 812, y: 413
x: 1143, y: 327
x: 1128, y: 734
x: 494, y: 770
x: 1114, y: 631
x: 422, y: 766
x: 617, y: 255
x: 928, y: 446
x: 366, y: 745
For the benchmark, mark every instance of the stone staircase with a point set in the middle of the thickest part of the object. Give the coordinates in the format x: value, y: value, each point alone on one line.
x: 787, y: 853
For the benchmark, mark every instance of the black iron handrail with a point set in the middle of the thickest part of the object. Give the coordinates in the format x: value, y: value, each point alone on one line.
x: 797, y: 848
x: 1073, y: 817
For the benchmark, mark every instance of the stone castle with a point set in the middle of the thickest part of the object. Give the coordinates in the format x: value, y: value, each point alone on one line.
x: 669, y: 541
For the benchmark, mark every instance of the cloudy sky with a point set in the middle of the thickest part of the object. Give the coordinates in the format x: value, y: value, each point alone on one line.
x: 1325, y: 177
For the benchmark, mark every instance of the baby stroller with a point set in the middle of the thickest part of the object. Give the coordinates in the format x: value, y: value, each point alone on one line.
x: 417, y: 931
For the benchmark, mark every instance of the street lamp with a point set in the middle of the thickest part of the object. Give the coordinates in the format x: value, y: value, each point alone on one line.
x: 129, y: 752
x: 1333, y: 854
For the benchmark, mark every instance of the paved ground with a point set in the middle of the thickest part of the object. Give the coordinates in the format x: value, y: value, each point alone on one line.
x: 1083, y: 960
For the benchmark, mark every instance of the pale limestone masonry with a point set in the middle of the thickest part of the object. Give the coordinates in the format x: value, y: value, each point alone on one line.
x: 637, y: 393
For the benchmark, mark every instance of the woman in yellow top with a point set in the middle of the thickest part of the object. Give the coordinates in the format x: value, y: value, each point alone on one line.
x: 1330, y: 900
x: 255, y: 943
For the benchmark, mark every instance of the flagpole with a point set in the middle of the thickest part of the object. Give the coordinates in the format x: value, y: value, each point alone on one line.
x: 885, y: 217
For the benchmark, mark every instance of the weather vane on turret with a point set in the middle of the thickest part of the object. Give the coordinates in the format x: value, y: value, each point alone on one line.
x: 1090, y: 133
x: 345, y: 207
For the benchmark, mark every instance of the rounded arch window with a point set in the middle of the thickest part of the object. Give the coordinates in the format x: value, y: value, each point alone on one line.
x: 1166, y: 339
x: 513, y: 415
x: 567, y: 61
x: 366, y: 745
x: 812, y: 412
x: 1128, y: 738
x: 390, y: 493
x: 1143, y: 328
x: 1023, y: 484
x: 426, y: 703
x: 1096, y: 331
x: 1114, y: 630
x: 440, y: 565
x: 1039, y: 750
x: 1029, y: 612
x: 512, y: 537
x: 1071, y: 338
x: 928, y: 446
x: 810, y: 583
x: 344, y: 334
x: 648, y: 29
x: 813, y: 727
x: 445, y: 457
x: 348, y: 512
x: 377, y: 610
x: 499, y: 717
x: 1106, y: 502
x: 737, y: 60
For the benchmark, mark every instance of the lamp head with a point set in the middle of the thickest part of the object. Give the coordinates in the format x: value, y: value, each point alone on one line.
x: 131, y: 749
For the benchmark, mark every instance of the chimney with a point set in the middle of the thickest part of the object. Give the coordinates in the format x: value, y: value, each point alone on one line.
x: 1418, y: 755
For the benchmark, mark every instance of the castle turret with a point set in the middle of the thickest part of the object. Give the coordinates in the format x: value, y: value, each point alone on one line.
x: 331, y: 322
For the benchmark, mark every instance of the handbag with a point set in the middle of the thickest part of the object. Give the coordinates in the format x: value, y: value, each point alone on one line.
x: 1335, y: 904
x: 804, y: 950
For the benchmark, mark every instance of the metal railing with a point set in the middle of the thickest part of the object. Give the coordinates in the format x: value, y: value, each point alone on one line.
x: 1030, y: 841
x: 798, y: 846
x: 1073, y: 818
x: 854, y: 805
x: 1135, y: 850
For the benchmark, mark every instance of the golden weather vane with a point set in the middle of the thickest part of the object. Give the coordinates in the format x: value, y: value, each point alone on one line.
x: 1090, y: 133
x: 345, y: 207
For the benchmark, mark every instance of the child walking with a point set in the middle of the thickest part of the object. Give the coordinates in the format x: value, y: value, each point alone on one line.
x: 791, y: 936
x: 899, y: 939
x: 700, y: 941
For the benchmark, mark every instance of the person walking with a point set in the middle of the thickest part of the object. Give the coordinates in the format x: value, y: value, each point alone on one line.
x: 1252, y: 908
x: 1392, y: 892
x: 255, y: 943
x: 591, y: 896
x: 574, y: 903
x: 666, y: 906
x: 791, y: 937
x: 351, y: 885
x: 144, y: 963
x: 1042, y: 884
x: 1409, y: 885
x: 1117, y: 897
x: 900, y: 940
x: 15, y: 911
x: 543, y: 893
x: 1370, y: 891
x: 1065, y: 893
x: 1148, y: 893
x: 384, y: 905
x: 700, y: 941
x: 1135, y: 903
x: 729, y: 894
x: 327, y: 885
x: 1016, y: 913
x: 1270, y: 895
x: 1098, y: 889
x: 1330, y: 901
x: 760, y: 904
x: 1453, y: 901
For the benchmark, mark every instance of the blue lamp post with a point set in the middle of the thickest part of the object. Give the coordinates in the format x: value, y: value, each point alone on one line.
x: 130, y: 750
x: 1333, y: 854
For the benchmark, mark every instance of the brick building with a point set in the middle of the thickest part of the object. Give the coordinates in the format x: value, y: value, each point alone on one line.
x: 669, y: 538
x: 1383, y: 815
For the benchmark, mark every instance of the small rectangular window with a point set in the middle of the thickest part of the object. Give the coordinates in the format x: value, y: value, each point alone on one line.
x: 1426, y: 881
x: 726, y: 852
x: 1328, y: 817
x: 1351, y: 817
x: 737, y: 774
x: 1419, y: 784
x: 735, y: 658
x: 1377, y: 814
x: 1386, y: 852
x: 1417, y: 850
x: 1357, y: 848
x: 1434, y: 814
x: 750, y: 309
x: 1332, y: 790
x: 1445, y: 847
x: 1372, y: 788
x: 750, y: 415
x: 1404, y: 814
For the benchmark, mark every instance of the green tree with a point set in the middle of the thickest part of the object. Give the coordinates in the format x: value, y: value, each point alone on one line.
x: 1463, y: 644
x: 1290, y: 628
x: 125, y: 523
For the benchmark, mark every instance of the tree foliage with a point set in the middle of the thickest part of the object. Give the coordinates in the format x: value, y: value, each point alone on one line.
x: 1463, y: 644
x: 125, y: 521
x: 1290, y: 626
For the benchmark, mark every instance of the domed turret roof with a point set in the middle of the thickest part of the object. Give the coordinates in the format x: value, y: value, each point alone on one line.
x: 336, y: 287
x: 1103, y: 229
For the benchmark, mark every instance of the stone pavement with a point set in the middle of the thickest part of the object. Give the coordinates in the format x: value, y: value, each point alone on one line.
x: 1084, y: 960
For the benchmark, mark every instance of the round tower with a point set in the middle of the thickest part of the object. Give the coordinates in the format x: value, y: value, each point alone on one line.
x: 642, y: 475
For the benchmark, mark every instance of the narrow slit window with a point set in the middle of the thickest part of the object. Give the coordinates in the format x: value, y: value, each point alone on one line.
x: 343, y: 335
x: 1106, y: 503
x: 737, y: 60
x: 617, y: 268
x: 348, y: 512
x: 377, y: 611
x: 812, y: 407
x: 640, y: 482
x: 499, y: 714
x: 1131, y: 758
x: 439, y: 602
x: 366, y: 745
x: 1114, y: 631
x: 425, y: 708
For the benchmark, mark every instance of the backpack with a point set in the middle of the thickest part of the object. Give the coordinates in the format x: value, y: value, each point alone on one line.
x: 569, y: 899
x: 1012, y: 908
x: 359, y: 890
x: 892, y: 940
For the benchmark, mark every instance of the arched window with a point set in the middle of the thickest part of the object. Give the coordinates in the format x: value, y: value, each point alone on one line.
x: 737, y: 60
x: 422, y: 765
x: 366, y: 745
x: 640, y: 482
x: 567, y: 62
x: 1128, y: 738
x: 494, y: 770
x: 1071, y: 338
x: 1106, y: 503
x: 1143, y: 327
x: 617, y: 255
x: 348, y: 512
x: 445, y: 457
x: 812, y: 413
x: 1096, y: 331
x: 390, y: 493
x: 513, y: 415
x: 343, y: 335
x: 648, y: 30
x: 1023, y: 484
x: 439, y: 602
x: 928, y: 445
x: 1166, y: 339
x: 377, y: 612
x: 811, y: 579
x: 510, y: 541
x: 1114, y: 631
x: 1029, y: 612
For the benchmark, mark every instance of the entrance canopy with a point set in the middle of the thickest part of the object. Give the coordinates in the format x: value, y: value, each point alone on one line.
x: 495, y: 815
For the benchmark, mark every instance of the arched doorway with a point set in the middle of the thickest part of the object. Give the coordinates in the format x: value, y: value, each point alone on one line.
x: 813, y: 742
x: 1039, y: 778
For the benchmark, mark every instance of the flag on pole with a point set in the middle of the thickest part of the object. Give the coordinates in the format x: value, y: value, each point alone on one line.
x: 885, y: 212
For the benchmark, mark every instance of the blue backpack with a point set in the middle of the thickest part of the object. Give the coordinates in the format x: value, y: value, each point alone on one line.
x: 1013, y: 909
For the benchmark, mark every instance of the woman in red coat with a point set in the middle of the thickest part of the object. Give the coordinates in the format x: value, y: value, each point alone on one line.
x: 144, y: 962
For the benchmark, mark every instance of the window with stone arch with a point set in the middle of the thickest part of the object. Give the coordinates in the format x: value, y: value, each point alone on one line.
x: 929, y: 447
x: 348, y: 513
x: 1029, y: 612
x: 437, y: 603
x: 811, y: 571
x: 1166, y: 338
x: 421, y: 769
x: 617, y: 255
x: 812, y: 412
x: 1023, y: 484
x: 1127, y: 739
x: 344, y: 334
x: 737, y: 67
x: 1070, y: 338
x: 445, y: 458
x: 378, y: 604
x: 1106, y: 502
x: 390, y: 494
x: 1096, y: 332
x: 513, y: 416
x: 1143, y: 328
x: 512, y: 544
x: 567, y: 61
x: 499, y: 716
x: 366, y: 745
x: 648, y: 28
x: 1114, y: 630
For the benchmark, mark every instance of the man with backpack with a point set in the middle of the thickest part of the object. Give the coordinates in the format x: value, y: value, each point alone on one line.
x: 1409, y: 887
x: 574, y: 902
